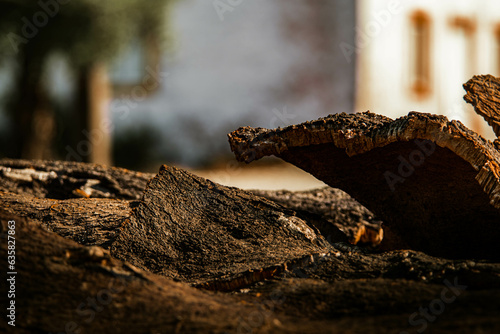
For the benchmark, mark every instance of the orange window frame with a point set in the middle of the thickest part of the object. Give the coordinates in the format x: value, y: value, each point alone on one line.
x: 420, y: 57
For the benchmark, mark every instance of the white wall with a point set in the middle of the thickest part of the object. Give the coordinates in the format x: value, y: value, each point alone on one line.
x: 383, y: 71
x: 261, y: 63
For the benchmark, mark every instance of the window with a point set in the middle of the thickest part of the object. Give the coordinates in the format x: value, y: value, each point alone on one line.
x: 461, y: 65
x: 420, y: 54
x: 496, y: 56
x: 465, y: 29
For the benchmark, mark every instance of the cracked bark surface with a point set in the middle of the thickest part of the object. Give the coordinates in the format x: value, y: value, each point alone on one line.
x: 337, y: 208
x: 65, y: 286
x: 186, y: 227
x: 296, y: 286
x: 63, y: 180
x: 89, y: 221
x: 433, y: 183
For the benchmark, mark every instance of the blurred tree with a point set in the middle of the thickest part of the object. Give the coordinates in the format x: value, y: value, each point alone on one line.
x: 89, y: 33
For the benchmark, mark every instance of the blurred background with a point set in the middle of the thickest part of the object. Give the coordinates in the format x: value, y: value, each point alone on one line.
x: 137, y: 84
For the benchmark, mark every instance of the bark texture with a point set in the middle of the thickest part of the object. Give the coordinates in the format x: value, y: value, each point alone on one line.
x: 99, y: 250
x: 434, y: 183
x: 283, y: 274
x: 483, y: 92
x: 192, y: 229
x: 337, y: 208
x: 65, y: 287
x: 63, y: 180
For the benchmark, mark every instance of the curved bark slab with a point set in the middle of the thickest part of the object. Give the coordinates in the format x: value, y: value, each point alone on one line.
x: 433, y: 182
x: 483, y: 92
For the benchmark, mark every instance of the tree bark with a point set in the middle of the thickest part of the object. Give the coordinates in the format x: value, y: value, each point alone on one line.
x: 63, y: 180
x: 67, y: 286
x: 33, y: 119
x: 287, y: 266
x: 92, y: 142
x: 337, y: 208
x: 483, y: 92
x: 432, y: 182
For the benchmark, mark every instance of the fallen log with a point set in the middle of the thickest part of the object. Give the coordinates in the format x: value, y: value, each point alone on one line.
x: 433, y: 183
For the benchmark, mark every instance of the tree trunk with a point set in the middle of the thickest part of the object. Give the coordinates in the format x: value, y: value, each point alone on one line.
x: 92, y: 141
x: 33, y: 117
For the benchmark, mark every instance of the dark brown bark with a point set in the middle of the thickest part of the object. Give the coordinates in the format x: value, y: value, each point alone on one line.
x: 61, y: 285
x: 335, y: 207
x: 86, y: 221
x: 217, y: 238
x: 433, y: 183
x: 185, y: 227
x: 285, y: 264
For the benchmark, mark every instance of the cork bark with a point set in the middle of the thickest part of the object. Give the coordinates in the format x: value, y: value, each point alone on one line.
x: 191, y: 256
x: 483, y: 93
x: 433, y: 182
x: 108, y: 250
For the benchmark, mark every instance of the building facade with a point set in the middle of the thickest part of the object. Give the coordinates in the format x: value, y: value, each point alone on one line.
x: 415, y: 55
x: 275, y: 63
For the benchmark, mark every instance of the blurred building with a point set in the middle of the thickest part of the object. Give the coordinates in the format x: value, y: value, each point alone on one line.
x: 238, y: 63
x: 275, y: 63
x: 415, y: 55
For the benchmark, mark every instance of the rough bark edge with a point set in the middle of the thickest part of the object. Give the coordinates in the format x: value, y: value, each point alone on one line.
x: 483, y: 92
x: 362, y: 132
